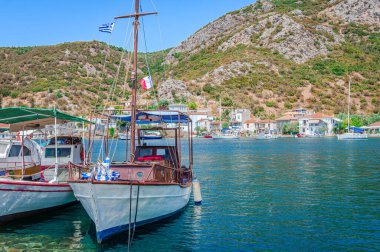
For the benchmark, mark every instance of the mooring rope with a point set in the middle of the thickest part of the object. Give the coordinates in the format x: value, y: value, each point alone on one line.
x: 130, y: 217
x: 132, y: 234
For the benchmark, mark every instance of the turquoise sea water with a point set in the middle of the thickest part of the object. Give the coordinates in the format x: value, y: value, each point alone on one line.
x: 278, y: 195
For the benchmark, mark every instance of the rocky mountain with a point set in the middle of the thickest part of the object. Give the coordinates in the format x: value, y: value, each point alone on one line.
x: 269, y: 56
x: 276, y: 55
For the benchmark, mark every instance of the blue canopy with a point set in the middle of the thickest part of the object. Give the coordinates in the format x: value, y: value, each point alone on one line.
x: 148, y: 117
x: 357, y: 129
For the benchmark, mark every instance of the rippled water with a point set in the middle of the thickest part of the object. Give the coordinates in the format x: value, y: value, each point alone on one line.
x: 285, y: 194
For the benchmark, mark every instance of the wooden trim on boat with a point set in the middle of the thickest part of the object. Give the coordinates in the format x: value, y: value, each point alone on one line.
x: 120, y: 182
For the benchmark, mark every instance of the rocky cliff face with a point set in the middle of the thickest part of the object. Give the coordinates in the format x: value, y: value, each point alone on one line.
x: 282, y: 46
x: 360, y: 11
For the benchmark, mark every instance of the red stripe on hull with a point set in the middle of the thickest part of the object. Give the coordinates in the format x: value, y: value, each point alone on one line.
x: 26, y: 183
x: 28, y: 190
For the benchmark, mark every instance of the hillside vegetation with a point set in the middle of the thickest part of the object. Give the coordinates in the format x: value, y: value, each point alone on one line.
x: 269, y: 57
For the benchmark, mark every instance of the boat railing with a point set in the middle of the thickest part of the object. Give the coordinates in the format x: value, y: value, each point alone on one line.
x: 14, y: 165
x: 167, y: 174
x: 75, y: 170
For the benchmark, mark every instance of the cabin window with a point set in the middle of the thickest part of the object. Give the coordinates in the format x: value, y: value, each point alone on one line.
x: 27, y: 152
x: 15, y: 151
x: 3, y: 149
x: 146, y: 152
x: 161, y: 152
x: 62, y: 152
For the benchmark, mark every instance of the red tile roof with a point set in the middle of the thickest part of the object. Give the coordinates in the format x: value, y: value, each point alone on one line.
x: 251, y: 120
x: 266, y: 121
x: 375, y: 124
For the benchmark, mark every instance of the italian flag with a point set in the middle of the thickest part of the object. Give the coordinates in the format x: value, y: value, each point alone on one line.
x: 146, y: 83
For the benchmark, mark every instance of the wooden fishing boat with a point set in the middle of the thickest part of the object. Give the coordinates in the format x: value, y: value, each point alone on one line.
x: 154, y: 184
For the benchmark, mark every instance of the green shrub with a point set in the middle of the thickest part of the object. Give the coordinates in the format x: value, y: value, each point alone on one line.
x: 15, y: 94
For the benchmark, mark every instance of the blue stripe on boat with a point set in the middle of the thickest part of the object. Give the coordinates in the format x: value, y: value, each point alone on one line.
x: 105, y: 234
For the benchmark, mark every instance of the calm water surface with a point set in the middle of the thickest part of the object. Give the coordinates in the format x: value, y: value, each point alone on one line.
x: 280, y: 195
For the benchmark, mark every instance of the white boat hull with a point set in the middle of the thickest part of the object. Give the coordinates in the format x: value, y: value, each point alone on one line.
x: 225, y: 137
x: 352, y: 136
x: 24, y: 198
x: 108, y: 204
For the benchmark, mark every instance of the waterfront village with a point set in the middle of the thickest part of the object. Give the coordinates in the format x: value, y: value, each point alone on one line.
x: 299, y: 122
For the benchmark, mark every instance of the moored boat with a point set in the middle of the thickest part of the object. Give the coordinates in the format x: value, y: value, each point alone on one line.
x: 266, y: 136
x: 154, y: 184
x: 27, y: 194
x: 353, y: 133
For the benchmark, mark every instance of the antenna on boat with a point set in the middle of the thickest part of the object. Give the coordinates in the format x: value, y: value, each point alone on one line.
x: 136, y: 23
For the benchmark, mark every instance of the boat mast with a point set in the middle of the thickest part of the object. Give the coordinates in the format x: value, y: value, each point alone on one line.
x: 349, y: 97
x: 220, y: 114
x: 136, y: 23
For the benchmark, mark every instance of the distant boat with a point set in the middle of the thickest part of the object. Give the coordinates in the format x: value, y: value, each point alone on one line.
x: 353, y: 133
x: 148, y: 135
x: 266, y: 136
x: 225, y: 136
x: 223, y: 133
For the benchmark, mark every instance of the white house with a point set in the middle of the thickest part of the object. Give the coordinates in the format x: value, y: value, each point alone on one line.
x: 251, y: 125
x: 197, y: 116
x: 267, y: 125
x: 204, y: 124
x: 238, y: 117
x: 317, y: 124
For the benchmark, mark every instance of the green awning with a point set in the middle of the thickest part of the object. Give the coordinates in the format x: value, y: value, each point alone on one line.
x: 23, y: 118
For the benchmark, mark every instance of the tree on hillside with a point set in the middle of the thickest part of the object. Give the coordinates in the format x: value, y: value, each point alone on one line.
x: 192, y: 105
x: 163, y: 104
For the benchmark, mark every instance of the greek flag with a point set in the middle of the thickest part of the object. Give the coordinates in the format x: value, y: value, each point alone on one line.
x: 106, y: 27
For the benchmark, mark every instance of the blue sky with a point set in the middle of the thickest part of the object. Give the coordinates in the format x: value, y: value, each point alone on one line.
x: 49, y: 22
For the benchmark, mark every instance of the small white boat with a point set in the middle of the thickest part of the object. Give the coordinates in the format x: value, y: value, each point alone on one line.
x: 148, y: 135
x: 266, y: 136
x: 26, y: 192
x: 352, y: 136
x: 225, y: 136
x: 24, y: 198
x: 353, y: 133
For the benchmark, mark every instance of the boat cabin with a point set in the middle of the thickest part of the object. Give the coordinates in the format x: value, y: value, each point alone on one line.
x: 157, y: 154
x: 69, y: 149
x: 13, y: 154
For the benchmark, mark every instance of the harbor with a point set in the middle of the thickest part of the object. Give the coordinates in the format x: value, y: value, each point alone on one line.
x: 288, y: 194
x: 256, y: 128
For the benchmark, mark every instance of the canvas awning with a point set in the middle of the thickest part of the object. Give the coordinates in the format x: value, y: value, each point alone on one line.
x: 148, y: 117
x: 23, y: 118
